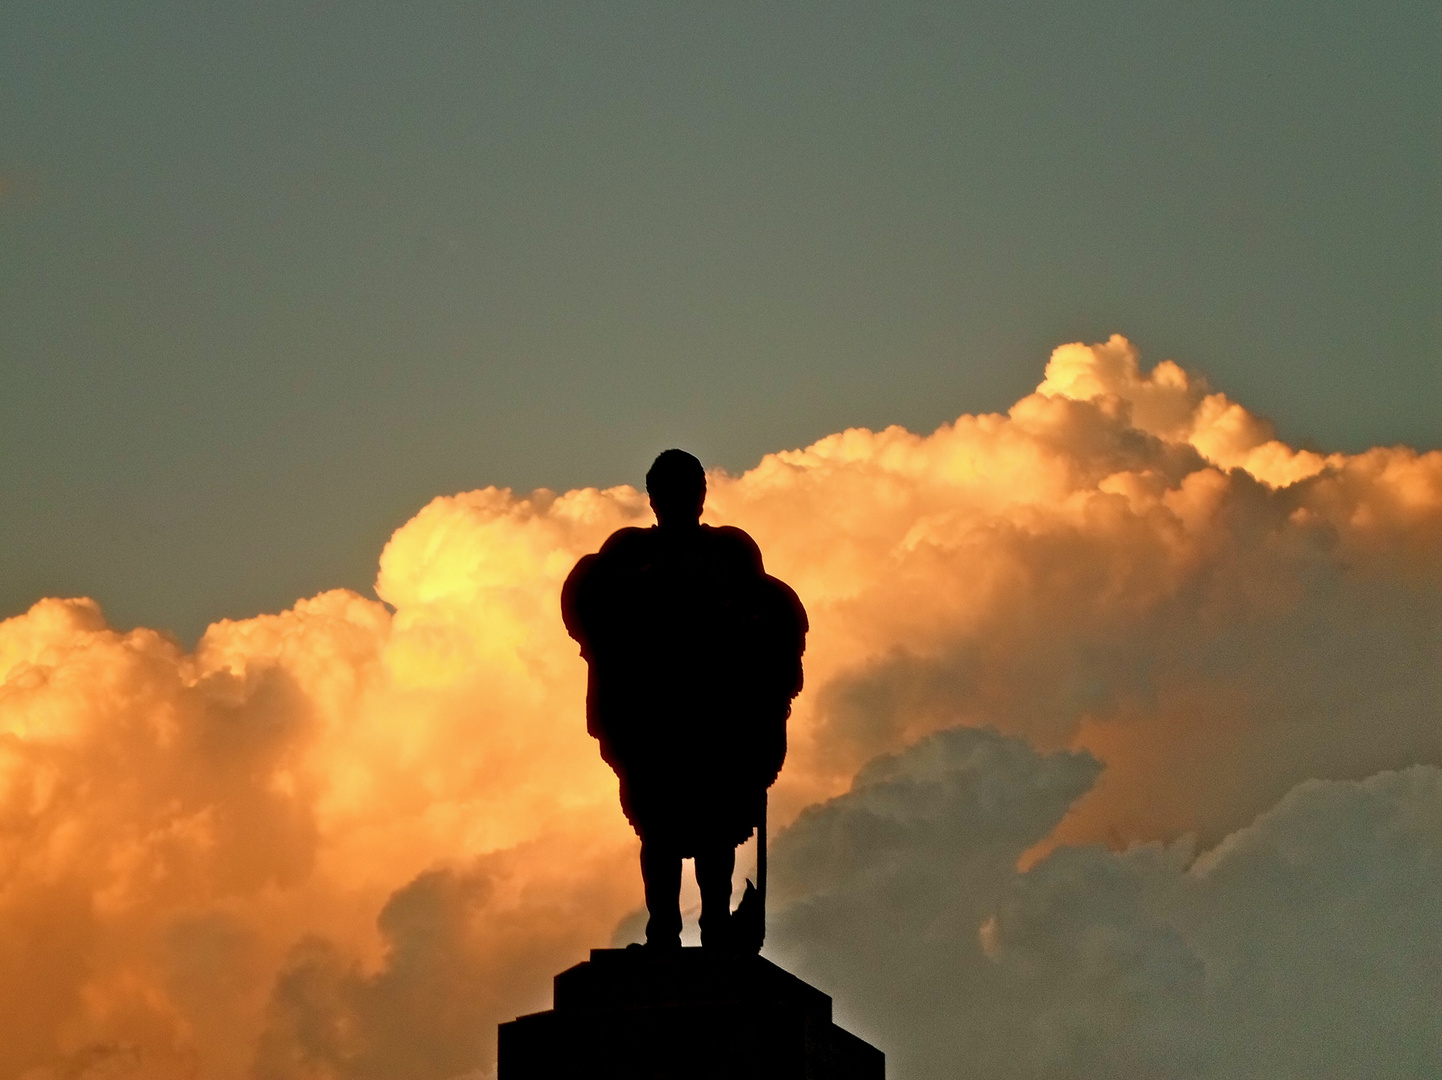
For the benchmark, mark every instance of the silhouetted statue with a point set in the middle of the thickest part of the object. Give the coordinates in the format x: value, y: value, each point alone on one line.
x: 695, y: 655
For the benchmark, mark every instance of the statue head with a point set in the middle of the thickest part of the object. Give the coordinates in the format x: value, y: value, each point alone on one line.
x: 676, y: 483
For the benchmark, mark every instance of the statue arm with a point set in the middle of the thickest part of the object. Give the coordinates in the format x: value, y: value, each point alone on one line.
x: 787, y: 630
x: 574, y: 597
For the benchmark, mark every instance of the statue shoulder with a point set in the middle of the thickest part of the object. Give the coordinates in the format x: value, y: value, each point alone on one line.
x: 625, y: 540
x: 737, y: 544
x: 593, y: 577
x: 622, y: 549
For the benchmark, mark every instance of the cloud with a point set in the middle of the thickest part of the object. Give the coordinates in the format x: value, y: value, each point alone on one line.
x: 464, y: 945
x: 328, y: 829
x: 1082, y: 572
x: 174, y: 824
x: 1303, y: 945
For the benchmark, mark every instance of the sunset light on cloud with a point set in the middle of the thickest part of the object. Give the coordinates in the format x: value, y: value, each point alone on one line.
x: 1095, y: 690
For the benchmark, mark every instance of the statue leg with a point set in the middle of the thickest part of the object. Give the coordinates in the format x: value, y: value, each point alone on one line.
x: 661, y: 872
x: 713, y: 876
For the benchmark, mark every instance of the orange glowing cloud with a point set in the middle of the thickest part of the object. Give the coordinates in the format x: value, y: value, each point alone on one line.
x: 196, y: 848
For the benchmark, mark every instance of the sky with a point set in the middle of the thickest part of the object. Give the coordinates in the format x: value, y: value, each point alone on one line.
x: 1077, y: 367
x: 274, y: 275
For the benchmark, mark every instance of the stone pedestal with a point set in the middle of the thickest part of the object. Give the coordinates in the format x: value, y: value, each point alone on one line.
x: 634, y: 1014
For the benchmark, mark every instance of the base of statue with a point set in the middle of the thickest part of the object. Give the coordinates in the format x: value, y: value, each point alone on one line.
x: 643, y: 1014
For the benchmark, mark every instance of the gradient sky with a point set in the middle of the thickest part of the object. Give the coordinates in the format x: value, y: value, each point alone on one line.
x: 274, y: 275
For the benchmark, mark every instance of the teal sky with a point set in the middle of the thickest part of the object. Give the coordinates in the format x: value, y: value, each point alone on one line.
x: 274, y: 275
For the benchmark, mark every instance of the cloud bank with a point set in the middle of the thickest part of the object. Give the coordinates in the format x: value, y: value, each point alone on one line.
x: 1304, y: 945
x: 1117, y: 756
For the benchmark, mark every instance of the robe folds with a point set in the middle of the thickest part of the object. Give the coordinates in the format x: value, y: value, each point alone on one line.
x: 694, y: 655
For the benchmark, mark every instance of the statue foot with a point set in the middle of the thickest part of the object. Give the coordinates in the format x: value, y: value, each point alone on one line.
x: 716, y: 933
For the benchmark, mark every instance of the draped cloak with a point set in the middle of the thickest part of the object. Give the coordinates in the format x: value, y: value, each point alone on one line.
x: 694, y: 655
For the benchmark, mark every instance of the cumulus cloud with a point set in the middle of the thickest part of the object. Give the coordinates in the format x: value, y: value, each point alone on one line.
x: 330, y: 831
x: 180, y: 829
x: 1303, y: 945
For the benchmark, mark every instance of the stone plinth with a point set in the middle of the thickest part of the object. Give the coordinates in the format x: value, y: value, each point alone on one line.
x: 639, y: 1015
